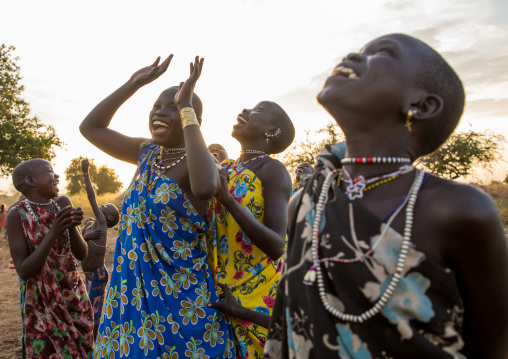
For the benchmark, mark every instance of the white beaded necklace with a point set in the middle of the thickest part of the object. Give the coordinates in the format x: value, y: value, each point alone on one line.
x: 401, y: 260
x: 172, y: 150
x: 40, y: 204
x: 257, y: 152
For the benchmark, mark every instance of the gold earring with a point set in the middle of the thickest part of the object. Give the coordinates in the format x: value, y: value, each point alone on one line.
x: 409, y: 116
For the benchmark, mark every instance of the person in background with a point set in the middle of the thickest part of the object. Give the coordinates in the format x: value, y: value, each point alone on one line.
x: 218, y: 152
x: 95, y: 233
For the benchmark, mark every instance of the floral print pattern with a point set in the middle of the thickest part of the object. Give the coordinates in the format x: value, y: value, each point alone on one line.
x: 157, y: 301
x: 58, y: 315
x: 249, y: 273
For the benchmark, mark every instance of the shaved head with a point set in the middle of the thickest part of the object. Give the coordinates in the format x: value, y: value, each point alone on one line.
x: 23, y: 170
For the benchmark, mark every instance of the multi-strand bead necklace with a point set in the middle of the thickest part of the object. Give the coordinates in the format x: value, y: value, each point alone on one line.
x: 241, y: 165
x: 315, y: 272
x: 357, y: 186
x: 158, y: 161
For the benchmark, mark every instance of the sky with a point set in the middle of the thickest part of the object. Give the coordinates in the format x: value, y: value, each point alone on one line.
x: 74, y: 54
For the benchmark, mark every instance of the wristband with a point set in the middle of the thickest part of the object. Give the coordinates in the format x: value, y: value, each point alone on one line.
x: 188, y: 117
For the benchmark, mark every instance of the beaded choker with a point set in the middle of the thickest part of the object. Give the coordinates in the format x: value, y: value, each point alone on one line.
x: 315, y: 272
x: 250, y: 161
x: 351, y: 160
x: 172, y: 150
x: 39, y: 204
x: 257, y: 152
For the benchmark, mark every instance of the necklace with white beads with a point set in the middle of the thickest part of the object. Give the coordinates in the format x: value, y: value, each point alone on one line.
x: 39, y: 204
x: 401, y: 260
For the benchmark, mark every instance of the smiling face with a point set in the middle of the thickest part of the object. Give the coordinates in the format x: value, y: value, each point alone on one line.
x: 44, y: 180
x: 165, y: 124
x: 218, y: 152
x: 253, y: 123
x: 303, y: 168
x: 377, y: 81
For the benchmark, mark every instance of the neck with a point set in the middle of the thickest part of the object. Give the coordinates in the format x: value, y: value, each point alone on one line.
x: 376, y: 145
x: 36, y: 198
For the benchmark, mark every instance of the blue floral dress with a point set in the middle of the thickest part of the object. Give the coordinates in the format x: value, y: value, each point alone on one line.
x: 156, y: 303
x: 422, y: 319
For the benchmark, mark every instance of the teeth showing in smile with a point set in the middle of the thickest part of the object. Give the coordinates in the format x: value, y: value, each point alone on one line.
x: 241, y: 120
x: 160, y: 124
x: 346, y: 72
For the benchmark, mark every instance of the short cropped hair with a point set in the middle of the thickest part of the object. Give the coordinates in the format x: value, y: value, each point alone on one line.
x: 282, y: 121
x: 196, y: 104
x: 437, y: 77
x: 21, y: 171
x: 115, y: 219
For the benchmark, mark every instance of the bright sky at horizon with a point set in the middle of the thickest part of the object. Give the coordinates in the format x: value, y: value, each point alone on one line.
x: 72, y: 55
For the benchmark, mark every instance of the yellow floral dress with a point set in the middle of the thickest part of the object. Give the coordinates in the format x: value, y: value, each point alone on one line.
x: 250, y: 274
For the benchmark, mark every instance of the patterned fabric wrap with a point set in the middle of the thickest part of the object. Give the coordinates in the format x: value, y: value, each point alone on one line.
x: 156, y: 302
x: 422, y: 319
x: 96, y: 283
x: 249, y: 273
x: 22, y: 292
x: 58, y: 314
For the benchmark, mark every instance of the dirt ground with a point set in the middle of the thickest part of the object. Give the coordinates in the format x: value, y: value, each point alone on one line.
x: 10, y: 314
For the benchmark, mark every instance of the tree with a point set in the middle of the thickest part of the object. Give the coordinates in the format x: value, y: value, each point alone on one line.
x: 306, y: 151
x: 104, y: 179
x: 22, y: 136
x: 464, y: 151
x: 107, y: 181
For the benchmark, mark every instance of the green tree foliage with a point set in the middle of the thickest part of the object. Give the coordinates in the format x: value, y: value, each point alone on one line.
x: 107, y: 181
x: 307, y: 150
x: 104, y: 179
x: 464, y: 151
x: 22, y: 136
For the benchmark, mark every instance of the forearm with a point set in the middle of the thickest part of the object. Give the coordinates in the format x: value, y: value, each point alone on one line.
x: 203, y: 173
x: 78, y: 245
x: 90, y: 193
x: 254, y: 317
x: 100, y: 117
x: 269, y: 241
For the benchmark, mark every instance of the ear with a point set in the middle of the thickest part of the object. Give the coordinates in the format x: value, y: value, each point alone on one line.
x: 273, y: 132
x: 427, y: 107
x: 29, y: 181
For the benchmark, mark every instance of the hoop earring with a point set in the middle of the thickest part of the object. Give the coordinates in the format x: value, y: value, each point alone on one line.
x: 270, y: 136
x: 409, y: 116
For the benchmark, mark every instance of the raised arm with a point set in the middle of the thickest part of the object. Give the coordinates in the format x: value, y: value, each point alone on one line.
x: 270, y: 237
x: 99, y: 216
x: 28, y: 263
x: 95, y: 126
x: 203, y: 174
